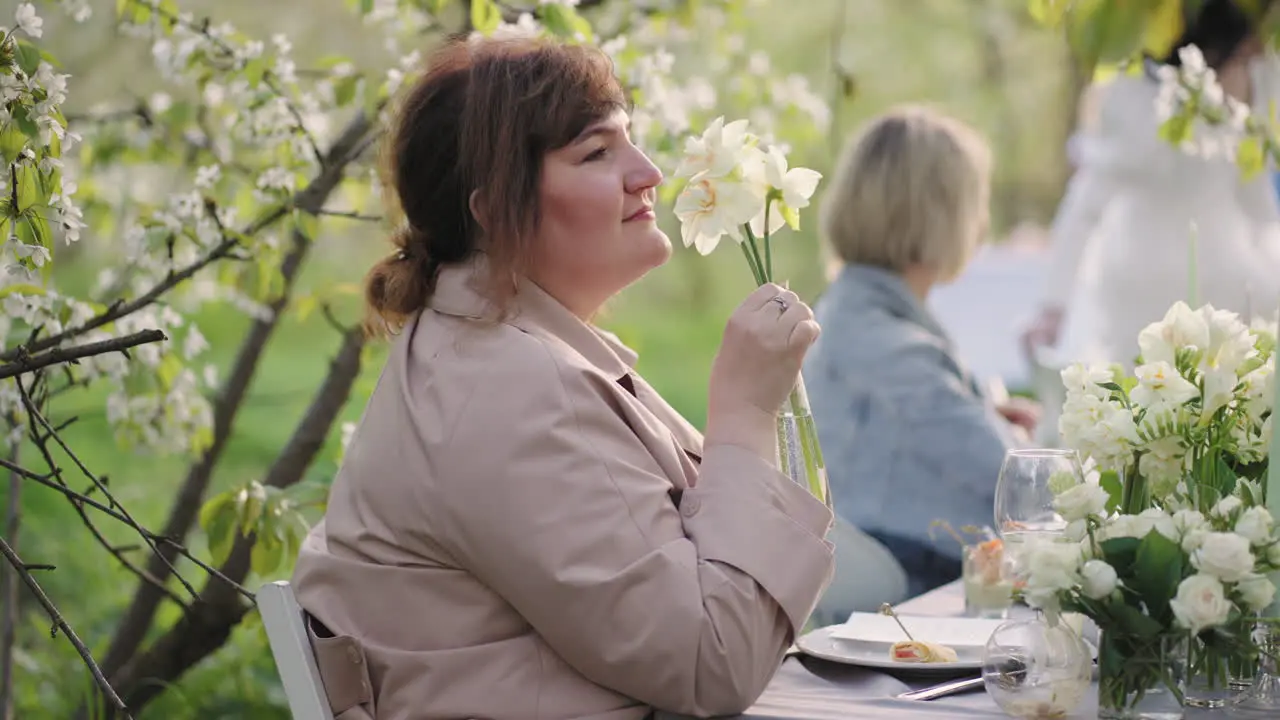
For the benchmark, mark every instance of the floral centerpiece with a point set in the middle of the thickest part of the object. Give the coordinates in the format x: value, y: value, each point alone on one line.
x: 1169, y: 551
x: 740, y: 186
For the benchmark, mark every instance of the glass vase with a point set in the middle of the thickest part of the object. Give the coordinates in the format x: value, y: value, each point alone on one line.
x: 1210, y: 671
x: 1262, y: 698
x: 1141, y: 678
x: 799, y: 454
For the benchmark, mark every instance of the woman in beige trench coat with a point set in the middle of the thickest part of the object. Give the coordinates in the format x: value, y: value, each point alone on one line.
x: 522, y: 527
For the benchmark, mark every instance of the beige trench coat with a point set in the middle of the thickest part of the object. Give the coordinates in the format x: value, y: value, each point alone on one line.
x: 523, y: 528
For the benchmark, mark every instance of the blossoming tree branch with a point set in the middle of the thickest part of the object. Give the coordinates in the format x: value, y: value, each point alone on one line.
x: 259, y: 156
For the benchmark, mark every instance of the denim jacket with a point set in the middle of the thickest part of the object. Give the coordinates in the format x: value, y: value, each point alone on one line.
x: 908, y: 435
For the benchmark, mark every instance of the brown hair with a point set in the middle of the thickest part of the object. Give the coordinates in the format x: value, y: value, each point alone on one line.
x: 480, y: 118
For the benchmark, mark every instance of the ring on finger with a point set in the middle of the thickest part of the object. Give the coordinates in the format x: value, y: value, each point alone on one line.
x: 781, y: 302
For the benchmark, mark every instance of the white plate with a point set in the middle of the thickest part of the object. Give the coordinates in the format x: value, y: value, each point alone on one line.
x: 822, y: 644
x: 956, y: 632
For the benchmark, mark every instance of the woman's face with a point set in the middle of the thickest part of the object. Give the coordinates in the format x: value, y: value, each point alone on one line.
x: 597, y: 233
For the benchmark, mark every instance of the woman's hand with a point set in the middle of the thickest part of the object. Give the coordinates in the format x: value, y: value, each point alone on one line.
x: 1021, y: 412
x: 1044, y: 330
x: 756, y: 367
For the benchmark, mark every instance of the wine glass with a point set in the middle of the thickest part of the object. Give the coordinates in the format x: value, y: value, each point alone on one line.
x: 1029, y: 480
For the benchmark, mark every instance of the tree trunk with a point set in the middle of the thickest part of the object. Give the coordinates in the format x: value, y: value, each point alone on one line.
x: 9, y: 590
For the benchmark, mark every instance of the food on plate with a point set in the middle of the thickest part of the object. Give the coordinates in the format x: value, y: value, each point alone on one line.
x: 921, y: 651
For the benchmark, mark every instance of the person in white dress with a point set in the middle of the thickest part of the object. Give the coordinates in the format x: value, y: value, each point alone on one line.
x: 1138, y: 208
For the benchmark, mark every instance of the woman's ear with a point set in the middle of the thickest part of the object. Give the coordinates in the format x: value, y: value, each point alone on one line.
x: 474, y: 203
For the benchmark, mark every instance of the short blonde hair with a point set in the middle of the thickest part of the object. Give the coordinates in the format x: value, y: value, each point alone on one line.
x: 911, y: 189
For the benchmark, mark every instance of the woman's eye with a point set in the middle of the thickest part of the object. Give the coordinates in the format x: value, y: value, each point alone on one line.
x: 596, y: 154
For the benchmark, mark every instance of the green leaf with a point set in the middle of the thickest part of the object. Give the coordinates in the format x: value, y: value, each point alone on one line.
x: 1120, y: 553
x: 121, y: 6
x: 1133, y: 622
x: 1157, y: 571
x: 1048, y: 12
x: 366, y: 7
x: 1107, y: 31
x: 564, y: 21
x: 22, y: 118
x: 28, y: 57
x: 20, y: 289
x: 1250, y: 156
x: 1177, y: 129
x: 485, y: 16
x: 12, y: 141
x: 304, y: 305
x: 266, y: 554
x: 255, y: 69
x: 169, y: 369
x: 28, y: 187
x: 221, y: 531
x: 251, y: 512
x: 211, y: 508
x: 1110, y: 481
x: 307, y: 224
x: 344, y: 91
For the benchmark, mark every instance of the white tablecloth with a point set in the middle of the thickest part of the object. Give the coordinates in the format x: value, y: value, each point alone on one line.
x: 807, y: 688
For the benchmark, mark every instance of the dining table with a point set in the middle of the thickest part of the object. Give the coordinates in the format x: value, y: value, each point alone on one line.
x: 810, y: 688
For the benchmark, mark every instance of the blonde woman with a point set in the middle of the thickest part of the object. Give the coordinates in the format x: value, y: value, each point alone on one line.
x: 909, y: 435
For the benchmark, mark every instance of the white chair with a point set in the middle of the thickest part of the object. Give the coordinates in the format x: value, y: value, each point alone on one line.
x: 286, y: 626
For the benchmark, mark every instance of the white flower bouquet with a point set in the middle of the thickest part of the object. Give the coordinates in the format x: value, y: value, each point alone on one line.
x: 1191, y: 425
x: 739, y: 186
x: 1169, y: 551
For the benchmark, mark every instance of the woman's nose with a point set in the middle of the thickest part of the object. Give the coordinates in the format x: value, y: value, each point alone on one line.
x: 644, y: 175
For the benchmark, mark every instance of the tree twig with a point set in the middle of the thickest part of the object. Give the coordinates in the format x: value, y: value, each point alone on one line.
x: 27, y: 362
x: 41, y: 442
x: 61, y: 624
x: 350, y: 215
x: 80, y: 498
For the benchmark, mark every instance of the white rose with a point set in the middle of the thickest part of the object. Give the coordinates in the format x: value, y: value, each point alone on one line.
x: 1187, y: 520
x: 1226, y: 506
x: 1255, y: 524
x: 1161, y: 522
x: 1225, y: 556
x: 1081, y: 501
x: 1193, y: 540
x: 1273, y: 555
x: 1201, y: 603
x: 1256, y: 591
x: 1099, y: 579
x: 1051, y: 566
x: 1076, y: 530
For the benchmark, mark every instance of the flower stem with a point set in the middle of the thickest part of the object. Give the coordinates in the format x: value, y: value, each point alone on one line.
x: 756, y: 272
x: 764, y: 275
x: 768, y: 250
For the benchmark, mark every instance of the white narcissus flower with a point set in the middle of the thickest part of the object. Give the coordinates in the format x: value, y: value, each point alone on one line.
x: 1160, y: 386
x: 1201, y: 603
x: 1256, y: 591
x: 1181, y: 327
x: 1225, y: 556
x: 796, y: 185
x: 1081, y: 501
x: 1086, y: 379
x: 1098, y: 579
x: 1255, y: 525
x: 709, y: 208
x: 717, y: 152
x: 1230, y: 345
